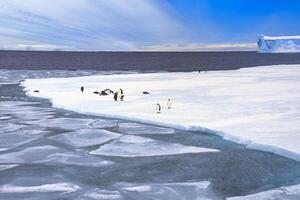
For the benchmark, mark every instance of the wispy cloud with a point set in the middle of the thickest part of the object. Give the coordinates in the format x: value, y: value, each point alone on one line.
x: 97, y: 25
x: 88, y: 24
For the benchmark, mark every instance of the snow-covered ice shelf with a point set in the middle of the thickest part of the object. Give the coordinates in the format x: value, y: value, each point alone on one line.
x: 258, y: 107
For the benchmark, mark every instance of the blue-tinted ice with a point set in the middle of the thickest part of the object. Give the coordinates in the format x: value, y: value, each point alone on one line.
x: 47, y: 153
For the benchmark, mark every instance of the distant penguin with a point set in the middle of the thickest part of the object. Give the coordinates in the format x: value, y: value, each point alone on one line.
x: 36, y: 91
x: 82, y: 88
x: 158, y: 108
x: 116, y: 96
x: 108, y: 91
x: 122, y: 97
x: 169, y: 104
x: 96, y: 92
x: 103, y: 93
x: 146, y: 93
x: 199, y: 71
x: 121, y: 94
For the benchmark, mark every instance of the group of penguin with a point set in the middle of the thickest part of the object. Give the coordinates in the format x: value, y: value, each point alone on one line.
x: 120, y: 95
x: 116, y: 95
x: 158, y: 106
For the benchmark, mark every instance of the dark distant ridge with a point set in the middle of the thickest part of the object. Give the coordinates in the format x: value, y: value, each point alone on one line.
x: 163, y: 61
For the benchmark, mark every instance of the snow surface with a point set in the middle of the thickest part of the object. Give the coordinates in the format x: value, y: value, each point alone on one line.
x: 258, y: 107
x: 280, y: 44
x: 282, y: 193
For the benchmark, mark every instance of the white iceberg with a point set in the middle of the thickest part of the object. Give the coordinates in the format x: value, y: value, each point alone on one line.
x: 281, y: 44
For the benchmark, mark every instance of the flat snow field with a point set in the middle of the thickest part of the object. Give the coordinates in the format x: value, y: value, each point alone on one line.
x: 258, y: 107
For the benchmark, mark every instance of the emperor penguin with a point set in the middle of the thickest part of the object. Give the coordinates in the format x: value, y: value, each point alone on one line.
x: 158, y: 108
x: 169, y: 104
x: 82, y: 88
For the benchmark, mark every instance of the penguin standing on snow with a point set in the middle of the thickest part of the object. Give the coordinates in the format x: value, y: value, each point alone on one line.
x: 82, y: 88
x: 116, y: 96
x: 158, y: 108
x: 121, y: 94
x: 169, y: 104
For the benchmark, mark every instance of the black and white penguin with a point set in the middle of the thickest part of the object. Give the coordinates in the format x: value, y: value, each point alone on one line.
x: 116, y: 96
x: 108, y: 91
x: 158, y: 108
x: 169, y: 104
x: 121, y: 94
x: 103, y: 93
x: 146, y: 93
x: 82, y: 88
x: 36, y: 91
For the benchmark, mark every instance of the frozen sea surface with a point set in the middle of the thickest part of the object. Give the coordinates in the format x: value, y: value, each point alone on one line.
x: 258, y: 107
x: 49, y: 153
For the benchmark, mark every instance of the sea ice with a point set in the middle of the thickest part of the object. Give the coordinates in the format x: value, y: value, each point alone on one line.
x: 25, y: 156
x: 98, y: 194
x: 86, y: 137
x: 68, y: 123
x: 134, y: 146
x: 174, y: 191
x: 138, y: 129
x: 282, y: 193
x: 55, y: 187
x: 258, y: 106
x: 52, y: 155
x: 74, y: 159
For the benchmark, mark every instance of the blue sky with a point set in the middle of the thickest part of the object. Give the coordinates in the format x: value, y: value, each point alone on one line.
x: 144, y: 24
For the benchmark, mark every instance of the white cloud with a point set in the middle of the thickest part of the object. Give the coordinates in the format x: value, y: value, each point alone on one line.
x: 201, y: 47
x: 101, y: 25
x: 88, y: 24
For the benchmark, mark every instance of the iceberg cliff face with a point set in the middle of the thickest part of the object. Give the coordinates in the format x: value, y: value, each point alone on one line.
x: 267, y: 44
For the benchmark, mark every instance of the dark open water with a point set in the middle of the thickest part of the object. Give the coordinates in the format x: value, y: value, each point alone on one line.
x: 42, y: 156
x: 163, y: 61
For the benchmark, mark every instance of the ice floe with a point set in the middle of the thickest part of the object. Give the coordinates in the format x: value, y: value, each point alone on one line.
x: 86, y: 137
x: 134, y: 146
x: 98, y: 194
x: 52, y: 155
x: 174, y: 191
x: 257, y: 106
x: 55, y: 187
